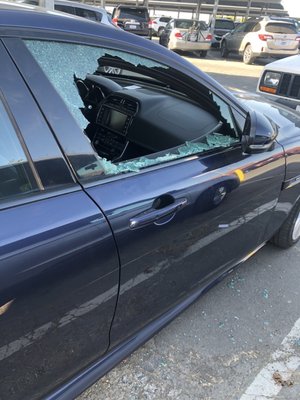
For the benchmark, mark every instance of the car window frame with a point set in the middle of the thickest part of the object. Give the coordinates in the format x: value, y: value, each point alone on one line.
x: 94, y: 42
x: 17, y: 98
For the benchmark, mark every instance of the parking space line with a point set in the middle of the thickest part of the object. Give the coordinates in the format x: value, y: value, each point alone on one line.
x: 284, y: 363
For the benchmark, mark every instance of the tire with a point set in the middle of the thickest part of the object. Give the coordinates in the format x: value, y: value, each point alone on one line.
x: 289, y: 232
x: 203, y: 53
x: 248, y: 57
x: 224, y: 50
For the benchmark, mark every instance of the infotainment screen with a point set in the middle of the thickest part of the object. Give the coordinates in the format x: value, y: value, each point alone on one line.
x: 116, y: 120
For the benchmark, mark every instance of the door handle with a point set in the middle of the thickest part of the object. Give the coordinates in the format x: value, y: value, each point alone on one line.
x: 152, y: 216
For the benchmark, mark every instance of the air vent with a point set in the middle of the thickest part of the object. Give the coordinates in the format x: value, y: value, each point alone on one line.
x: 114, y: 101
x: 130, y: 105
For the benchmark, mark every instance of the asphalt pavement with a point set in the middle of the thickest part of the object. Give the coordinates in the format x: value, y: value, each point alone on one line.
x: 239, y: 341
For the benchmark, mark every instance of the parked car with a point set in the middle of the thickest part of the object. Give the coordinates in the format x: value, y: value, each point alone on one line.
x: 186, y: 35
x: 221, y: 27
x: 92, y: 13
x: 280, y: 81
x: 262, y: 37
x: 123, y: 197
x: 132, y: 19
x: 157, y: 25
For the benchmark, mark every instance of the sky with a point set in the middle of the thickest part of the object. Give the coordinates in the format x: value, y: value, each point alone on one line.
x: 293, y: 7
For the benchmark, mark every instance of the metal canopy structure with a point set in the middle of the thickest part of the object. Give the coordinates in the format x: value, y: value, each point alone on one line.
x: 243, y: 8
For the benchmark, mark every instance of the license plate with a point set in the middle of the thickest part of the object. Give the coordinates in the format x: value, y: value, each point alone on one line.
x: 132, y: 26
x: 281, y: 42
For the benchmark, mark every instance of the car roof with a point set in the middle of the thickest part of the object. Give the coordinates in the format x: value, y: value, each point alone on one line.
x: 15, y: 18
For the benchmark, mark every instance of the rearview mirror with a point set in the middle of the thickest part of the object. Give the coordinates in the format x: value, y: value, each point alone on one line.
x: 259, y: 133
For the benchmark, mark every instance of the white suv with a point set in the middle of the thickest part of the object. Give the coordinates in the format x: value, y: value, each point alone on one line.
x: 262, y: 37
x: 280, y: 80
x: 157, y: 24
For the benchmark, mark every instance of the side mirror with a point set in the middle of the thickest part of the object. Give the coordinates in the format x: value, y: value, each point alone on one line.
x: 259, y: 133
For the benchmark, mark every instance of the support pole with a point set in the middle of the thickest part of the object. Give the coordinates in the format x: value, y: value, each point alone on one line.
x: 214, y: 14
x: 198, y: 8
x: 48, y: 4
x: 248, y: 9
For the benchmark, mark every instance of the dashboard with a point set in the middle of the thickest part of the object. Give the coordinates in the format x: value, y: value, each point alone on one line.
x: 130, y: 121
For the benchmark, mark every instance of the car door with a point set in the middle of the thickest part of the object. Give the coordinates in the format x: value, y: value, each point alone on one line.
x: 165, y: 35
x: 178, y: 224
x: 235, y: 38
x: 58, y: 262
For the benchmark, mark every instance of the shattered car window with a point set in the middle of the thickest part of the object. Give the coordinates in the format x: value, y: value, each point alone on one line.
x: 134, y: 111
x: 212, y: 141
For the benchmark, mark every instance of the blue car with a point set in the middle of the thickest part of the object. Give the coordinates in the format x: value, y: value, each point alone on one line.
x: 130, y: 182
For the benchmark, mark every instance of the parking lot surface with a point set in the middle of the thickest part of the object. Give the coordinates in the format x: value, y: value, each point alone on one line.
x: 239, y: 341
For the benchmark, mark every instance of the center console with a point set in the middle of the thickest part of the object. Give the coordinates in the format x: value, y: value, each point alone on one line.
x: 113, y: 120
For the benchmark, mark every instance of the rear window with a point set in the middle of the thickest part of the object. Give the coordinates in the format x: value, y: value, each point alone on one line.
x: 281, y: 28
x: 188, y: 23
x: 224, y: 25
x: 134, y: 13
x: 165, y: 19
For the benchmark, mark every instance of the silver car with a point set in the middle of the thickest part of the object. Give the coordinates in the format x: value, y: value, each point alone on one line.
x: 187, y: 35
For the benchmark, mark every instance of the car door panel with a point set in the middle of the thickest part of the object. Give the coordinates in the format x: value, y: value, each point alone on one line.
x: 59, y: 275
x: 59, y: 267
x: 165, y: 260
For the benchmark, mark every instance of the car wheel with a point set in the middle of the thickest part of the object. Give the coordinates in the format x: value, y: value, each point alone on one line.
x: 289, y: 232
x: 248, y: 57
x: 224, y: 50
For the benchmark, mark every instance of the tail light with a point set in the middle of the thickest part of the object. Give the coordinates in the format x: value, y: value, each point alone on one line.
x: 178, y: 35
x: 209, y: 37
x: 265, y: 37
x: 115, y: 21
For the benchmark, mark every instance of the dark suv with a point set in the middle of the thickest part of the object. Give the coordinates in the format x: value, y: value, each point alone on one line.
x: 132, y: 19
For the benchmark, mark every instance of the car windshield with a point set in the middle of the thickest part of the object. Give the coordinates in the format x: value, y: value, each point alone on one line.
x: 221, y: 24
x: 133, y: 13
x: 189, y: 23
